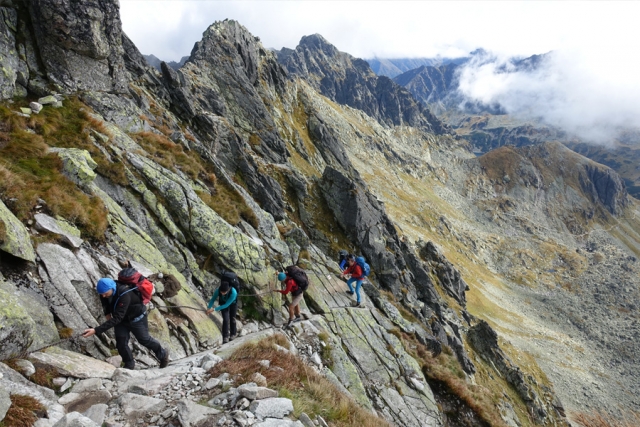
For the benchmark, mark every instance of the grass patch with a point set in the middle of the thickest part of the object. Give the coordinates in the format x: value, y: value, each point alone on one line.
x: 310, y: 392
x: 446, y: 370
x: 171, y: 155
x: 44, y: 377
x: 325, y: 354
x: 23, y: 412
x: 599, y: 419
x: 229, y: 204
x: 28, y: 172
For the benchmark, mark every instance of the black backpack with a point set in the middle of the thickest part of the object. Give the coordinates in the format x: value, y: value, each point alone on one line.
x: 231, y: 278
x: 300, y: 277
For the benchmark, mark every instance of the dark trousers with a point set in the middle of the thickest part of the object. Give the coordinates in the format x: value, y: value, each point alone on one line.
x: 140, y: 330
x: 229, y: 317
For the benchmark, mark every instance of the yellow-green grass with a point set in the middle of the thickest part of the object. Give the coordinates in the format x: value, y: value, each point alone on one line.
x: 28, y: 172
x: 310, y: 392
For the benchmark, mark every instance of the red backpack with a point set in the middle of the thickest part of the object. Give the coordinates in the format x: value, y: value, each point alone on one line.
x: 131, y: 276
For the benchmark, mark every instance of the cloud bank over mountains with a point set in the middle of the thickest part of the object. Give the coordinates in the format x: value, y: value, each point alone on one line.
x: 592, y: 95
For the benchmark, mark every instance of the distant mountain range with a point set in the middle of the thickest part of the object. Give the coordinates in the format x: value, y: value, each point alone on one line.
x: 394, y: 67
x: 155, y: 62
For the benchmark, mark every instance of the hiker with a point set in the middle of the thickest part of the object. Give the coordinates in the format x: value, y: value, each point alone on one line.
x: 227, y: 297
x: 127, y: 315
x: 357, y: 275
x: 296, y: 282
x: 343, y: 259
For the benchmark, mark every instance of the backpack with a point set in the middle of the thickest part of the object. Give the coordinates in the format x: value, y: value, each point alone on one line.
x: 300, y: 277
x: 363, y: 265
x: 131, y: 276
x: 231, y: 278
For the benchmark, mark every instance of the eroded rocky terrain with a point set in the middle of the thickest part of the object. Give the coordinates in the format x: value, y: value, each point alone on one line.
x: 245, y: 159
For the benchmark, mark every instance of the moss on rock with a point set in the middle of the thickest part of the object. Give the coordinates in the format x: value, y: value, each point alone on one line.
x: 14, y: 237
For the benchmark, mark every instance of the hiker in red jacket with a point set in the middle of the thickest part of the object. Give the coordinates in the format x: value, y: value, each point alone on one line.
x: 296, y: 293
x: 357, y: 275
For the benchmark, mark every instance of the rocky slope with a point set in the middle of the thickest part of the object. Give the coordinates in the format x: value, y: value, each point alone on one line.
x: 239, y: 161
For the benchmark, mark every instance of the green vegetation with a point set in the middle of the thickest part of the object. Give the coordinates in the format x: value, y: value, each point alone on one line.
x: 28, y: 172
x: 23, y: 412
x: 325, y: 354
x: 310, y: 392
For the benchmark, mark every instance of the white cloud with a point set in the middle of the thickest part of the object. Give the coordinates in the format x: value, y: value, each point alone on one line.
x: 590, y: 94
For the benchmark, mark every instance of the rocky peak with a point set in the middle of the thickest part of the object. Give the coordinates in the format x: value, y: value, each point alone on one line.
x: 350, y: 81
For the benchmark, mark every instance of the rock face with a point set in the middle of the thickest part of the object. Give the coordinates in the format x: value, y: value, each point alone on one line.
x: 80, y: 44
x: 14, y: 238
x: 350, y: 81
x: 485, y: 341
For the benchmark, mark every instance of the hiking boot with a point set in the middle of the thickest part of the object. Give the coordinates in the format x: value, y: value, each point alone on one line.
x: 232, y: 337
x: 357, y: 305
x: 225, y: 340
x: 130, y: 365
x: 297, y: 319
x: 165, y: 359
x: 350, y: 292
x: 288, y: 325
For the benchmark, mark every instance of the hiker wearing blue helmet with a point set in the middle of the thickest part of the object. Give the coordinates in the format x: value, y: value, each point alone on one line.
x: 295, y: 282
x: 127, y: 315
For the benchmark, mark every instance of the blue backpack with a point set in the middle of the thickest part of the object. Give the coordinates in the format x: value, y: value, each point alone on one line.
x: 363, y: 264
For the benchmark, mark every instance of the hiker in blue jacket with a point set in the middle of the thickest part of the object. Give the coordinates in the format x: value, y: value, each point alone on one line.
x: 227, y: 306
x: 357, y: 275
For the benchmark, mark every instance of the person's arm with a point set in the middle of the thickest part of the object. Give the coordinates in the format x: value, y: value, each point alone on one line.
x: 213, y: 298
x: 230, y: 301
x: 289, y: 286
x: 348, y: 270
x: 117, y: 315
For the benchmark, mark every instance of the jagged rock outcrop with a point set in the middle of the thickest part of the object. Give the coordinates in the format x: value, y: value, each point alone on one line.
x: 485, y: 341
x: 350, y: 81
x: 449, y: 277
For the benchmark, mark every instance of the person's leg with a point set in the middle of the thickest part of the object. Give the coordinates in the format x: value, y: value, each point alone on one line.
x: 358, y: 285
x: 233, y: 309
x: 225, y: 323
x: 291, y: 311
x: 349, y: 282
x: 140, y: 330
x: 122, y: 344
x: 296, y: 305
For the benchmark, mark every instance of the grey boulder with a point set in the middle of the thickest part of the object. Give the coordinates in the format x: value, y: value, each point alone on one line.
x: 275, y: 407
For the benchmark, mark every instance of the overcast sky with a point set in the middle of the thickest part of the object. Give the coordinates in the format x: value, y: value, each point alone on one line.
x: 590, y: 86
x: 390, y: 29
